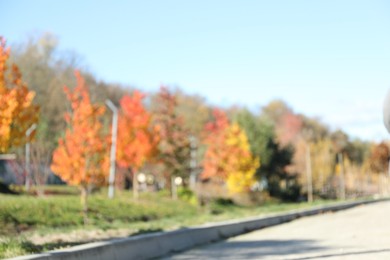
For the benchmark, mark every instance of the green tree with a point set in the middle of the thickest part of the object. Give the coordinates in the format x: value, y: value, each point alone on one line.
x: 357, y: 150
x: 274, y: 157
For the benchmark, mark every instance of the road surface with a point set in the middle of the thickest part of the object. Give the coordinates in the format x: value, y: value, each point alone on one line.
x: 362, y: 232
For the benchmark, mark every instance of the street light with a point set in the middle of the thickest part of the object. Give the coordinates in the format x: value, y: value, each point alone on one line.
x: 27, y: 166
x: 193, y: 155
x: 386, y: 116
x: 178, y: 181
x: 309, y: 174
x: 111, y: 178
x: 141, y: 177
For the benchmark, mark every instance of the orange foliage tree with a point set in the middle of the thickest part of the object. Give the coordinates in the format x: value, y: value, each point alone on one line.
x: 137, y: 141
x: 228, y: 157
x: 216, y: 154
x: 17, y: 111
x: 81, y: 156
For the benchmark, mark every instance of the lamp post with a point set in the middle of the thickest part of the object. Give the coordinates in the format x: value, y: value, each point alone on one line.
x: 114, y: 129
x: 27, y: 166
x: 342, y: 175
x: 309, y: 174
x: 386, y: 117
x: 175, y: 181
x: 193, y: 162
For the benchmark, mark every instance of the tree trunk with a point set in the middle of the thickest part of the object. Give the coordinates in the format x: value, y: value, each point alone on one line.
x: 168, y: 184
x: 173, y: 188
x: 135, y: 185
x: 84, y: 203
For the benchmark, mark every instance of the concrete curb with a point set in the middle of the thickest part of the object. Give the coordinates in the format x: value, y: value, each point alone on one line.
x: 163, y: 243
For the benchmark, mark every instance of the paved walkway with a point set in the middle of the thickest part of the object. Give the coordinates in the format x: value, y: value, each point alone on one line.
x: 358, y: 233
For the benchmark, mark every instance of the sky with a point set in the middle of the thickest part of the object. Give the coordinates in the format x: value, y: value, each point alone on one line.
x: 326, y: 59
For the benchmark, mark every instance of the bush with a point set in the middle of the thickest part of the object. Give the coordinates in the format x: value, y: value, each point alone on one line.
x: 292, y: 194
x: 224, y: 202
x: 187, y: 195
x: 218, y: 206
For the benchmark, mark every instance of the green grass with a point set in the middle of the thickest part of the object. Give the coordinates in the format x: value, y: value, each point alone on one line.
x: 22, y: 213
x: 26, y: 215
x: 11, y: 247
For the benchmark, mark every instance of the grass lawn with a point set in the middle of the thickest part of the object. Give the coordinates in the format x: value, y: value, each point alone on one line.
x: 33, y: 224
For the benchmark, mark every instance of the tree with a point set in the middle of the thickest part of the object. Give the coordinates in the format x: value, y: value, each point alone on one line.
x: 322, y: 159
x: 357, y: 150
x: 214, y: 163
x: 289, y: 128
x: 193, y: 110
x: 228, y: 157
x: 46, y: 69
x: 379, y: 158
x: 17, y: 111
x: 81, y: 157
x: 276, y: 160
x: 259, y: 131
x: 174, y: 146
x: 340, y: 140
x: 287, y: 124
x: 313, y: 129
x: 46, y: 73
x: 275, y: 110
x: 243, y: 165
x: 137, y: 142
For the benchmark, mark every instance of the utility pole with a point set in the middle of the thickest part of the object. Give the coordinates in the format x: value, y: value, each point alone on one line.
x: 193, y: 154
x: 388, y: 166
x: 309, y: 175
x: 386, y: 121
x: 114, y: 130
x: 27, y: 159
x: 342, y: 176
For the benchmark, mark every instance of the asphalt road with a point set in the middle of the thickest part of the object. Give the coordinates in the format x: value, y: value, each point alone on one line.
x: 358, y: 233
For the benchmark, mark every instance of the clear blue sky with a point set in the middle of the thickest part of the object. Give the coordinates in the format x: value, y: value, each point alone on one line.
x: 329, y: 59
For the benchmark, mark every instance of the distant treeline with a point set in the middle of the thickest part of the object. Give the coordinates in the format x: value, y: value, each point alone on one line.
x: 282, y: 139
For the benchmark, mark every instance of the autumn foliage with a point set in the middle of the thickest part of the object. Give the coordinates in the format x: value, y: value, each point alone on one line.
x: 379, y: 158
x: 137, y: 140
x: 228, y: 157
x: 157, y: 135
x: 17, y: 111
x: 174, y: 147
x: 243, y: 165
x: 81, y: 157
x: 214, y: 166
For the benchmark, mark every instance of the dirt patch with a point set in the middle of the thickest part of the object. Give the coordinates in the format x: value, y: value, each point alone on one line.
x: 79, y: 236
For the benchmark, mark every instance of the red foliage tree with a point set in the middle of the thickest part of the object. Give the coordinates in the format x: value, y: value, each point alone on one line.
x: 174, y: 147
x: 289, y: 128
x: 379, y: 158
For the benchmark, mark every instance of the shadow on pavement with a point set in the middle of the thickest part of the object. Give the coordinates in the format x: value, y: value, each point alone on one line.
x: 250, y: 249
x: 344, y: 254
